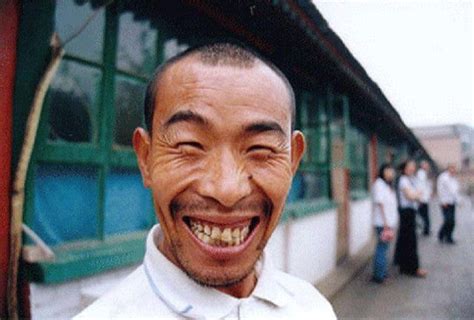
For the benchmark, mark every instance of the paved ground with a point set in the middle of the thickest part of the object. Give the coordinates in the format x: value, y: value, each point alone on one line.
x: 447, y: 292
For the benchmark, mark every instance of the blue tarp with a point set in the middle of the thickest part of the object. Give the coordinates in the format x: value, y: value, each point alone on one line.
x: 66, y: 203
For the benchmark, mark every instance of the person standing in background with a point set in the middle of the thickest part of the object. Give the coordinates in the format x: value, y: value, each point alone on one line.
x: 448, y: 193
x: 407, y: 248
x: 385, y: 219
x: 425, y: 186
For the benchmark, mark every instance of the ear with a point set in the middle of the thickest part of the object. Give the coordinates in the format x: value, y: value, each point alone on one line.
x: 298, y: 147
x: 141, y: 145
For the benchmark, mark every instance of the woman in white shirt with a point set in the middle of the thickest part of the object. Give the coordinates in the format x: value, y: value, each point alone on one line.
x: 385, y: 217
x: 406, y: 253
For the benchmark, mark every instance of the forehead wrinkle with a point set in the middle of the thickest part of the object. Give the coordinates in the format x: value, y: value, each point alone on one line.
x: 201, y: 81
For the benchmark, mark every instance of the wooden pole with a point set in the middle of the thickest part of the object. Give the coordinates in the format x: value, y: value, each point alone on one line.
x: 18, y: 192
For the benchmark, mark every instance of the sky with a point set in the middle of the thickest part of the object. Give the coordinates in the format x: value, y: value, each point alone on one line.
x: 419, y: 52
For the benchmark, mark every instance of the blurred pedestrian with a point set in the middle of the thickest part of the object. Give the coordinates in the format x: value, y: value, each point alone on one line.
x: 406, y: 253
x: 425, y: 186
x: 448, y: 193
x: 385, y: 219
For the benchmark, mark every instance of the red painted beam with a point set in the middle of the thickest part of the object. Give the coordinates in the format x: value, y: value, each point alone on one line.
x: 9, y: 16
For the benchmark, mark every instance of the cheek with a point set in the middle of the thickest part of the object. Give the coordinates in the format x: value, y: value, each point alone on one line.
x: 274, y: 178
x: 170, y: 175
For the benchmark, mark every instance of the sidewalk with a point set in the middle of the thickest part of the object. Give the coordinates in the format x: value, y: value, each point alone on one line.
x: 447, y: 292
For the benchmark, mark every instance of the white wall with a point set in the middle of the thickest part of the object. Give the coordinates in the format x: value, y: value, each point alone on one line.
x: 311, y: 246
x: 65, y: 300
x: 360, y: 225
x: 276, y: 247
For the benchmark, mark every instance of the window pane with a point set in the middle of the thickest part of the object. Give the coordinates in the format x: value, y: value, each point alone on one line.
x: 73, y: 99
x: 323, y: 144
x: 358, y: 181
x: 314, y: 185
x: 308, y: 186
x: 129, y: 96
x: 136, y: 51
x: 128, y: 205
x: 65, y: 205
x: 311, y: 154
x: 70, y: 18
x: 172, y: 47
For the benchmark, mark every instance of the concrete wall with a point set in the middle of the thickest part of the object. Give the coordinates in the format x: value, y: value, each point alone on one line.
x: 360, y: 225
x: 62, y: 301
x: 444, y: 150
x: 313, y: 256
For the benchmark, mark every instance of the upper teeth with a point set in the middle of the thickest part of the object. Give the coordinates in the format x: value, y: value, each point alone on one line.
x: 214, y: 235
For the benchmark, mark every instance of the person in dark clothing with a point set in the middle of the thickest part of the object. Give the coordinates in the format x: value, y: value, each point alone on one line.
x: 448, y: 189
x: 406, y: 253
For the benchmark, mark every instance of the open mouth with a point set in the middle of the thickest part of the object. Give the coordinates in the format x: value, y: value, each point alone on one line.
x: 221, y: 235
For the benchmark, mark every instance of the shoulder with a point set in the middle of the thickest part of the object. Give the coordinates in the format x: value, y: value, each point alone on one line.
x: 306, y: 295
x: 378, y: 182
x: 421, y: 174
x: 403, y: 181
x: 131, y: 298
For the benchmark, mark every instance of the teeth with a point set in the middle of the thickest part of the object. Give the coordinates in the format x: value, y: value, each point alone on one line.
x: 236, y: 233
x: 226, y: 235
x: 215, y: 236
x: 216, y: 233
x: 245, y: 231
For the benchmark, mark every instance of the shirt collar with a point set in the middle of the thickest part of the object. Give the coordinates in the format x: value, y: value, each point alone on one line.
x: 189, y: 299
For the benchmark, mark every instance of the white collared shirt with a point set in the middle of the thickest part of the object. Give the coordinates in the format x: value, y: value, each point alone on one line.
x: 158, y: 289
x: 448, y: 188
x: 424, y: 184
x: 405, y: 183
x: 383, y: 194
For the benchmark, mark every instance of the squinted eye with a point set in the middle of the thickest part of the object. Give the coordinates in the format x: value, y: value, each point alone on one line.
x: 189, y: 146
x: 259, y: 147
x: 260, y: 151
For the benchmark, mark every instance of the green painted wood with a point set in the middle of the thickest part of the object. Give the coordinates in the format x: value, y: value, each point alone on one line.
x: 359, y: 194
x: 87, y: 258
x: 35, y: 29
x: 71, y: 154
x: 304, y: 208
x: 124, y: 159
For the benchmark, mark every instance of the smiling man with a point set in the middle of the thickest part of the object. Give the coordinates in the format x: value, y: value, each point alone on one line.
x: 219, y: 154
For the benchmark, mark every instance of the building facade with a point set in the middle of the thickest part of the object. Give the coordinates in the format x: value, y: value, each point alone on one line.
x: 84, y: 195
x: 449, y: 144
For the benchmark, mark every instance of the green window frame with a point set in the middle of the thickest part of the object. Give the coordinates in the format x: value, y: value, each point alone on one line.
x: 100, y: 252
x: 358, y: 163
x: 312, y: 181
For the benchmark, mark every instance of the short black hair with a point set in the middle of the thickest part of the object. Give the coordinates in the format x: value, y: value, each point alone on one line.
x: 228, y: 53
x: 404, y: 164
x: 382, y: 169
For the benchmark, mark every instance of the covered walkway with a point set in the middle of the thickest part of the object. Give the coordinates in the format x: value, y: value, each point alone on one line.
x: 447, y: 292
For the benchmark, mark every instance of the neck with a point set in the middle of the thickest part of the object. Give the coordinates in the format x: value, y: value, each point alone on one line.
x: 243, y: 288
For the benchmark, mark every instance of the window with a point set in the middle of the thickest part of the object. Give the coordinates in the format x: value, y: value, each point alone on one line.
x: 84, y: 188
x: 384, y: 153
x: 358, y: 161
x: 312, y: 180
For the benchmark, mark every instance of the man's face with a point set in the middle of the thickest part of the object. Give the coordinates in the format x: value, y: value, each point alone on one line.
x: 219, y: 164
x: 452, y: 169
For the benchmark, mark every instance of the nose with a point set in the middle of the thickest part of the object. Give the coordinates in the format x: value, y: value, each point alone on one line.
x: 226, y: 180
